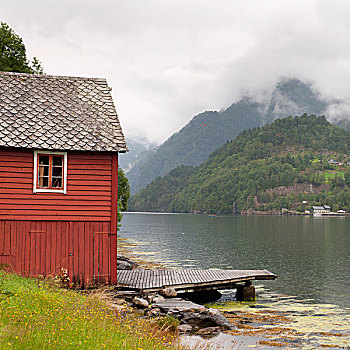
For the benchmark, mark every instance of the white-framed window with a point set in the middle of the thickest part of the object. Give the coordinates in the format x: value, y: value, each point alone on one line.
x: 50, y: 172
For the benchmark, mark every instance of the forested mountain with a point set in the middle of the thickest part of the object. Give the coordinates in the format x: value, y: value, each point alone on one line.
x: 159, y: 194
x: 210, y: 130
x: 280, y: 165
x: 193, y: 143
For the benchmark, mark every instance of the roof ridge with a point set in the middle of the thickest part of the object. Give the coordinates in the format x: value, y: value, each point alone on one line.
x: 54, y: 76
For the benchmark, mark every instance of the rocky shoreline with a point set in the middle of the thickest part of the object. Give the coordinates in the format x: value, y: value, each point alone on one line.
x: 192, y: 318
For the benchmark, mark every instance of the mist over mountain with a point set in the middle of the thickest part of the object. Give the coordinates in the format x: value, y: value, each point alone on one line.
x: 211, y: 129
x: 137, y: 150
x: 285, y: 165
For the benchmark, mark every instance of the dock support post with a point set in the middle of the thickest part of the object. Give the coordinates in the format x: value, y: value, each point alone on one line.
x: 246, y: 292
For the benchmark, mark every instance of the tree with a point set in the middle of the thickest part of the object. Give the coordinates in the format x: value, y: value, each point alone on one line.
x: 123, y: 193
x: 13, y: 57
x: 347, y: 177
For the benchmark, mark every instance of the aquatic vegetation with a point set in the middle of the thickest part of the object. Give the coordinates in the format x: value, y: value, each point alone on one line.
x: 289, y: 323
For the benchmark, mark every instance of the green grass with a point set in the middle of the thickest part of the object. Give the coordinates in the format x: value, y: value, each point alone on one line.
x: 37, y: 315
x: 330, y: 174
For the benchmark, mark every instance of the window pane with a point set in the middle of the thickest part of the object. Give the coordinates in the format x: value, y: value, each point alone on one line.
x: 43, y: 170
x: 56, y: 172
x: 44, y: 164
x: 57, y: 160
x: 57, y: 182
x: 43, y: 181
x: 44, y: 160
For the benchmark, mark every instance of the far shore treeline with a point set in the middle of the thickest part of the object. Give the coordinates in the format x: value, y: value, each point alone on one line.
x: 292, y: 163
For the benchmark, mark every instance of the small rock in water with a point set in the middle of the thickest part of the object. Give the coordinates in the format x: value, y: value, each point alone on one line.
x: 257, y: 306
x: 125, y: 263
x: 219, y: 319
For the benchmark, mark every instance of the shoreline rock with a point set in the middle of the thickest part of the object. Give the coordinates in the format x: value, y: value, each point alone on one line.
x: 125, y: 263
x: 194, y: 318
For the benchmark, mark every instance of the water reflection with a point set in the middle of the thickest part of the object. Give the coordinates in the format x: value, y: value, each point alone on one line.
x: 310, y: 255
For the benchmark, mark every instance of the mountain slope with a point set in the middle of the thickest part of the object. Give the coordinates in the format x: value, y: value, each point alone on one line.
x: 210, y: 130
x: 193, y: 143
x: 159, y: 194
x: 270, y: 168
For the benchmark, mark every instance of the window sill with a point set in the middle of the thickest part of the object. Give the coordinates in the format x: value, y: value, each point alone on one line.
x: 44, y: 190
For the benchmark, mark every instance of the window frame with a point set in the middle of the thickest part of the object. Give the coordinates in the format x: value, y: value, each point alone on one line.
x: 37, y: 189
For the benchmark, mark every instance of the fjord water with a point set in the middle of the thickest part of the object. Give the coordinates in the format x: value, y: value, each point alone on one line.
x: 310, y: 255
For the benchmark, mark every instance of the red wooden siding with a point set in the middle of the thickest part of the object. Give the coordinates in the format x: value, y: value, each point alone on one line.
x: 89, y: 190
x: 114, y: 220
x: 43, y: 248
x: 42, y: 233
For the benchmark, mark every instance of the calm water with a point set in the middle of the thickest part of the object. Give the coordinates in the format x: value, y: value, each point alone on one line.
x: 311, y: 256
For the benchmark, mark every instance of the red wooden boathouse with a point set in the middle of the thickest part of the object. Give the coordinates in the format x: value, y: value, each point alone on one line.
x: 59, y: 143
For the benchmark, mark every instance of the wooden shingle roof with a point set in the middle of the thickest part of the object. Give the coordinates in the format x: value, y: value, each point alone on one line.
x: 58, y: 113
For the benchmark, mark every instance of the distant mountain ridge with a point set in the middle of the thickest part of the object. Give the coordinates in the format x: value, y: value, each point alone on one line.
x: 211, y: 129
x: 282, y: 166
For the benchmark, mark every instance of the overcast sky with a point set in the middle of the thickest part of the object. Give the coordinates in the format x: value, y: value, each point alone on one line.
x: 168, y: 60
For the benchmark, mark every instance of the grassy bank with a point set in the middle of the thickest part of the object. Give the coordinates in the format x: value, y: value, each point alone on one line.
x: 38, y: 315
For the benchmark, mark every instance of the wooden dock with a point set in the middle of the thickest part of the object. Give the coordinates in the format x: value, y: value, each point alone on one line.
x: 187, y: 280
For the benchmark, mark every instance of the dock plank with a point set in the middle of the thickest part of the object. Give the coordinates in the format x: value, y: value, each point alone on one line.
x: 142, y: 279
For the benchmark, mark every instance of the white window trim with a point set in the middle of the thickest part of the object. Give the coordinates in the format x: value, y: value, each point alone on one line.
x: 49, y: 190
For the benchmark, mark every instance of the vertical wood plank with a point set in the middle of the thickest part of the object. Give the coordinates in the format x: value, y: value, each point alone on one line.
x: 7, y: 239
x: 74, y: 241
x: 70, y: 252
x: 81, y: 253
x: 53, y: 249
x: 37, y: 250
x: 87, y: 254
x: 12, y: 246
x: 31, y: 255
x: 49, y: 227
x: 46, y: 250
x: 2, y: 237
x: 27, y: 240
x: 22, y: 228
x: 65, y: 249
x: 107, y: 228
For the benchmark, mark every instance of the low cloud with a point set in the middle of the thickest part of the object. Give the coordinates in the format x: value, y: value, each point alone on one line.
x: 169, y: 60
